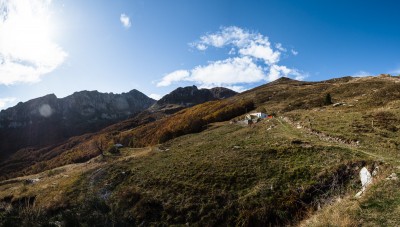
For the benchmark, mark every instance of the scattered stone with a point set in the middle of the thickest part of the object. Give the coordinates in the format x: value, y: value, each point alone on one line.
x: 392, y: 176
x: 237, y: 147
x: 358, y: 195
x: 31, y: 181
x: 339, y: 104
x: 375, y: 172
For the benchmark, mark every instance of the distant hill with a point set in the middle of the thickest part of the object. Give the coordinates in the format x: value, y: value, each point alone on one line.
x: 183, y: 97
x: 48, y: 120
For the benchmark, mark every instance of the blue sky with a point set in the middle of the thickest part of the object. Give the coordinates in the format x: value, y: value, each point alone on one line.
x: 59, y: 46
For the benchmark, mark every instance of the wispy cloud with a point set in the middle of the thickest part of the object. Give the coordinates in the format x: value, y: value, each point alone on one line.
x: 277, y: 71
x: 27, y: 51
x: 220, y: 73
x: 125, y: 20
x: 361, y: 74
x: 251, y: 58
x: 395, y: 72
x: 280, y: 47
x: 155, y: 96
x: 5, y: 102
x: 178, y: 75
x: 248, y: 43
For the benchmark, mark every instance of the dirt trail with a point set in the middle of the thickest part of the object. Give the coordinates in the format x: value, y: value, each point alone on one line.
x: 354, y: 145
x: 53, y: 177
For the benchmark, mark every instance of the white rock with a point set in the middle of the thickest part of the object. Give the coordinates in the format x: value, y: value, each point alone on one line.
x: 366, y: 178
x: 358, y: 195
x: 375, y: 172
x: 392, y: 176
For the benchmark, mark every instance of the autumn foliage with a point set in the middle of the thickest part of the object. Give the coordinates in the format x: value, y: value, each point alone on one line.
x: 187, y: 121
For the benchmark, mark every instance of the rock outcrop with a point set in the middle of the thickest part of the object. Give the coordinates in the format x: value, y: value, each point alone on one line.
x: 183, y: 97
x: 48, y: 119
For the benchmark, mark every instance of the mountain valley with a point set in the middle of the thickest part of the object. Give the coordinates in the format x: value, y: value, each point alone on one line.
x: 199, y: 166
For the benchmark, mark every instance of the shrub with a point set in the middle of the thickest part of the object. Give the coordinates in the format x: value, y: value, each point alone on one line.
x: 328, y: 99
x: 113, y: 150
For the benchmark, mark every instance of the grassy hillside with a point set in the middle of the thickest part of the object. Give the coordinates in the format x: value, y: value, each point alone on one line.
x: 195, y: 168
x: 227, y: 174
x: 148, y: 129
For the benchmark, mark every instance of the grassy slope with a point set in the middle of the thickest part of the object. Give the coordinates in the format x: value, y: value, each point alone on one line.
x: 227, y: 174
x: 273, y: 173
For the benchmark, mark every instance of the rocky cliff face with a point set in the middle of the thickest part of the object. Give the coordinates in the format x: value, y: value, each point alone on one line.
x: 189, y: 96
x: 48, y: 120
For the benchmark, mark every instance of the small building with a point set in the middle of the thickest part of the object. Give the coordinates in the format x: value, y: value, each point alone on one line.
x: 258, y: 115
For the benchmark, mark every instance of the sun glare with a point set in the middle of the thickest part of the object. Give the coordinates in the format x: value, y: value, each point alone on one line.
x: 27, y: 41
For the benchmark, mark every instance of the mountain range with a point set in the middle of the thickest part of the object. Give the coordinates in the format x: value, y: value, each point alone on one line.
x: 190, y: 159
x: 48, y: 122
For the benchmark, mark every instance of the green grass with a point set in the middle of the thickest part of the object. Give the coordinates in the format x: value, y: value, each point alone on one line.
x: 381, y: 206
x: 229, y: 174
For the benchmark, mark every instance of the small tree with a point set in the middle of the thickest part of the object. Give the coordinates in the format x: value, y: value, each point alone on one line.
x: 113, y: 150
x: 100, y: 144
x: 328, y: 99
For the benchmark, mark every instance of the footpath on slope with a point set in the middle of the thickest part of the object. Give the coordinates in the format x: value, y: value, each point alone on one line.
x: 353, y: 144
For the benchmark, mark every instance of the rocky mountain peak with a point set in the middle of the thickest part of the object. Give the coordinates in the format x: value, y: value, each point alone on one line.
x: 48, y: 119
x: 190, y: 96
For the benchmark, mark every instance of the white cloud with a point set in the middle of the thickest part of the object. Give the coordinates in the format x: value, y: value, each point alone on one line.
x: 228, y: 35
x: 125, y: 20
x: 252, y: 59
x: 277, y: 71
x: 220, y: 73
x: 280, y: 47
x: 155, y: 96
x: 227, y: 72
x: 250, y: 44
x: 234, y: 88
x: 175, y: 76
x: 5, y: 102
x: 361, y: 74
x: 27, y: 51
x: 294, y: 52
x: 201, y: 47
x: 261, y: 51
